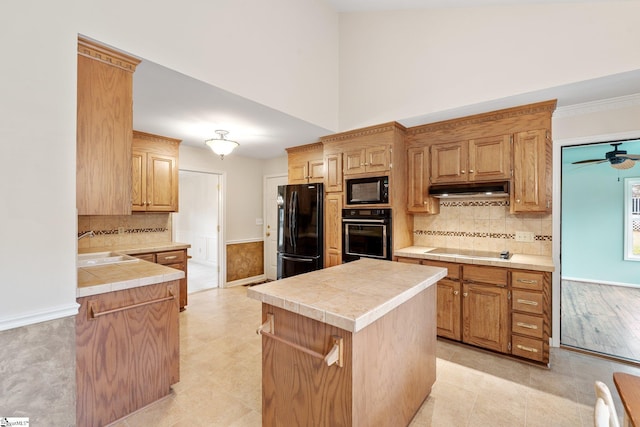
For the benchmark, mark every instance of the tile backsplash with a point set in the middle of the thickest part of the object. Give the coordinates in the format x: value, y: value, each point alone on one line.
x: 114, y: 230
x: 482, y: 225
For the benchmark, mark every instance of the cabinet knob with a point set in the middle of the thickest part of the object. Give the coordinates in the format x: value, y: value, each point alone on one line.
x: 517, y: 200
x: 462, y: 172
x: 456, y: 293
x: 465, y: 294
x: 470, y: 170
x: 268, y: 234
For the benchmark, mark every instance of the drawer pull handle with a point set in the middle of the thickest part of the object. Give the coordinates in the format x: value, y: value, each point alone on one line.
x: 525, y: 348
x: 526, y: 301
x: 526, y: 325
x: 171, y: 257
x: 530, y: 282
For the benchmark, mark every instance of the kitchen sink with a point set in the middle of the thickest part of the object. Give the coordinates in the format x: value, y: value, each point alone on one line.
x: 103, y: 258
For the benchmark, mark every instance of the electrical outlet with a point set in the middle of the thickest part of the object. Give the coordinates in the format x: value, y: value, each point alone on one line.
x: 120, y: 230
x: 524, y: 236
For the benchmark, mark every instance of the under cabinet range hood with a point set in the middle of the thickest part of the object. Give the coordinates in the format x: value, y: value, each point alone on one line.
x: 470, y: 190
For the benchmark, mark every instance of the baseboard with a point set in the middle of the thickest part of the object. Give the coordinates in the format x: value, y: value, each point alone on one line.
x: 599, y: 282
x: 246, y: 281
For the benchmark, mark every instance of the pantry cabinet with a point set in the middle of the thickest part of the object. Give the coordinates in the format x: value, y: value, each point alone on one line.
x: 479, y: 159
x: 531, y: 190
x: 305, y: 164
x: 333, y: 229
x: 104, y: 126
x: 154, y: 172
x: 418, y: 200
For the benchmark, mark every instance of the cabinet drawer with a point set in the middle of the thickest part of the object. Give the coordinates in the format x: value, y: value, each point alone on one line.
x: 408, y: 260
x: 529, y: 302
x: 146, y: 257
x: 527, y: 347
x: 527, y: 280
x: 170, y: 257
x: 453, y: 270
x: 481, y: 274
x: 525, y: 324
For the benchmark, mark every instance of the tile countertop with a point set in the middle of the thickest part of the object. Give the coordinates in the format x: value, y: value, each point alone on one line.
x: 349, y: 296
x: 524, y: 262
x: 115, y: 277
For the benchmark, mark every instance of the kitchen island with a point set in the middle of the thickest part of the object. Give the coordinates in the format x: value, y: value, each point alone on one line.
x: 350, y: 345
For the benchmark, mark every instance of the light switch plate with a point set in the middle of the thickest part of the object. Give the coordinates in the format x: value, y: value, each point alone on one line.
x: 524, y: 236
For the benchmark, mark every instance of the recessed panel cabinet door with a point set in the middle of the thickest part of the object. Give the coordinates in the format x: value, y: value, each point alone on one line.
x: 490, y: 158
x: 531, y: 172
x: 485, y: 316
x: 162, y: 188
x: 449, y: 309
x: 138, y: 181
x: 449, y: 162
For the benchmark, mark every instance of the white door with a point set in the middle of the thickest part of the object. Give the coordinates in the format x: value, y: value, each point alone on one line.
x: 271, y: 184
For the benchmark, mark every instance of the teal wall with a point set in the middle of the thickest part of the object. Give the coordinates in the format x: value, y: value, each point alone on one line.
x: 592, y: 227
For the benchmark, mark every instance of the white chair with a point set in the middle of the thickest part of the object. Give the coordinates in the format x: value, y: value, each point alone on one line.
x: 601, y: 414
x: 603, y: 394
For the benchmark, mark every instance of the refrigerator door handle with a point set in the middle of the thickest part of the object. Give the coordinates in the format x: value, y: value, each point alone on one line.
x: 294, y: 222
x: 289, y: 258
x: 291, y: 225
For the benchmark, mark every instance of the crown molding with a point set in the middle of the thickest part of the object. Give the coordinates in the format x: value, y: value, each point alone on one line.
x: 371, y: 130
x: 98, y: 52
x: 608, y: 104
x: 315, y: 146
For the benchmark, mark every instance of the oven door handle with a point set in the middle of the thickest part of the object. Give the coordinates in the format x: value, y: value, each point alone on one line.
x: 370, y: 221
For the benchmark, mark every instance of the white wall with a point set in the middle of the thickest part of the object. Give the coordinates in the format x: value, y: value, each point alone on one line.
x: 37, y: 148
x: 280, y: 53
x: 403, y: 64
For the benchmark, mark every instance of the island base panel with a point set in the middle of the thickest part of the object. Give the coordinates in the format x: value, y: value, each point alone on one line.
x: 388, y: 368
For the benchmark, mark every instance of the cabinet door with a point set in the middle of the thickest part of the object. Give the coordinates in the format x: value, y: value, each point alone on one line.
x: 104, y: 135
x: 448, y: 307
x: 377, y: 158
x: 485, y: 316
x: 162, y: 183
x: 354, y: 161
x: 490, y: 158
x: 531, y: 190
x: 333, y: 229
x: 418, y: 200
x: 449, y: 162
x: 333, y: 173
x: 316, y: 170
x: 298, y: 173
x: 138, y: 181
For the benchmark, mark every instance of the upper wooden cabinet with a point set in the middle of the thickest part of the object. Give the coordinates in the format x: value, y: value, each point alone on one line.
x: 418, y: 200
x: 367, y: 159
x: 306, y: 164
x: 480, y: 159
x: 333, y: 172
x: 154, y: 171
x: 531, y: 190
x: 104, y: 128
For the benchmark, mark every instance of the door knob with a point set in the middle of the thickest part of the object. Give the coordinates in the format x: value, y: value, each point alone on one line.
x: 268, y: 234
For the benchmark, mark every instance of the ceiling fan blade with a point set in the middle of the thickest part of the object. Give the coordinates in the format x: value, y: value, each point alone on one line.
x: 590, y: 161
x: 631, y: 156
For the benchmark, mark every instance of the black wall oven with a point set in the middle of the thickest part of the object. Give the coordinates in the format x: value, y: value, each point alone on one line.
x: 366, y: 233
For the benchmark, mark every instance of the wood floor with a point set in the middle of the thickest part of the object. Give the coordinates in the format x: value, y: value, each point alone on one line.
x: 601, y: 318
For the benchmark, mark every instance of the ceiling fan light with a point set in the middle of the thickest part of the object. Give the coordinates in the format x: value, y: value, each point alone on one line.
x: 626, y: 164
x: 221, y: 146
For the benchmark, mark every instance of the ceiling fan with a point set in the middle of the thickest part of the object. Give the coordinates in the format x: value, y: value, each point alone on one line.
x: 619, y: 159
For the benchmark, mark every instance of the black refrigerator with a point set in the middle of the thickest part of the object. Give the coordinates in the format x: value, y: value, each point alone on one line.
x: 300, y: 225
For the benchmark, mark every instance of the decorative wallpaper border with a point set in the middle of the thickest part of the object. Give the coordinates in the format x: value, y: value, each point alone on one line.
x: 464, y: 203
x: 126, y: 231
x: 506, y: 236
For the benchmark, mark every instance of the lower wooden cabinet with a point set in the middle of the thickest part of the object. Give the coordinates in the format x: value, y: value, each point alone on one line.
x: 333, y: 229
x: 485, y: 316
x: 175, y: 259
x: 127, y: 351
x: 500, y: 309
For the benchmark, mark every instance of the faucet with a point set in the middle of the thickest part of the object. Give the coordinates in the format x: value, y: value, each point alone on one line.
x: 88, y: 233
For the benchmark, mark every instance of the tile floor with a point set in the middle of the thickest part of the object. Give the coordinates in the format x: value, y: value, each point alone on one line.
x: 220, y: 378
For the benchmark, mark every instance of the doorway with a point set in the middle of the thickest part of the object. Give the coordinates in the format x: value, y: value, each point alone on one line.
x: 599, y: 288
x: 198, y: 223
x: 271, y: 183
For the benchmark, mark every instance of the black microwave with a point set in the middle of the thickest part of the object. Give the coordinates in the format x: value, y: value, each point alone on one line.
x: 368, y: 191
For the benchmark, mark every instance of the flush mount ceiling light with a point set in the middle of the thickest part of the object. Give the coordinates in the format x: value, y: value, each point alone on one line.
x: 221, y: 146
